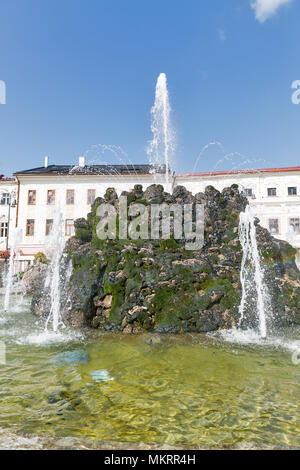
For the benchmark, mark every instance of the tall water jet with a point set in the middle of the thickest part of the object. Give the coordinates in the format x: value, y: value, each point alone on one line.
x: 162, y: 146
x: 9, y: 278
x: 254, y: 291
x: 55, y: 248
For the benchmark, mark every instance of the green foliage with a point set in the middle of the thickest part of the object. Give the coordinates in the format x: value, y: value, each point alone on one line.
x: 232, y: 218
x: 118, y: 294
x: 206, y: 269
x: 40, y: 257
x: 112, y: 259
x: 130, y: 198
x: 184, y: 273
x: 142, y: 201
x: 84, y: 235
x: 168, y: 245
x: 230, y: 297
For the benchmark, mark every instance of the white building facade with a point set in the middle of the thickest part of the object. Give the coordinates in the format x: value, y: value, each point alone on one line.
x: 273, y: 194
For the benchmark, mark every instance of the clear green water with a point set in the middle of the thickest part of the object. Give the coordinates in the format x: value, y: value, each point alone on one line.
x: 181, y: 390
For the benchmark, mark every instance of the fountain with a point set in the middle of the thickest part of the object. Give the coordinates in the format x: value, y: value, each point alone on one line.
x: 94, y: 156
x: 56, y: 245
x: 9, y: 278
x: 251, y: 275
x: 4, y: 275
x: 235, y: 161
x: 162, y: 145
x: 67, y: 271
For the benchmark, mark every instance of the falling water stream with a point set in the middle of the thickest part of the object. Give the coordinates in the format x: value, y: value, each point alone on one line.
x: 10, y: 273
x: 56, y: 245
x: 251, y: 273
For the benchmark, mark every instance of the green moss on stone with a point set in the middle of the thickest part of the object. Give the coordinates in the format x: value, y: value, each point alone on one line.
x: 84, y: 235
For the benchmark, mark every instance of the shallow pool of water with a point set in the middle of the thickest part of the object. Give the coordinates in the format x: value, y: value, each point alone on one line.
x: 179, y: 390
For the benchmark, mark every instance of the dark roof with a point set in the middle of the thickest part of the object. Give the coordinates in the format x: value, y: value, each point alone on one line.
x: 92, y: 170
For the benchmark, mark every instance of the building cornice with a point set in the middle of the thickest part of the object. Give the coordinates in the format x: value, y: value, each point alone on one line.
x: 241, y: 172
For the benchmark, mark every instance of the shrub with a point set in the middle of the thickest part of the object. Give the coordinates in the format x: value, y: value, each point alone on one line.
x: 83, y: 235
x: 40, y: 258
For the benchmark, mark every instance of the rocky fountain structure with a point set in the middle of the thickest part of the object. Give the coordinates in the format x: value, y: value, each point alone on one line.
x: 132, y: 286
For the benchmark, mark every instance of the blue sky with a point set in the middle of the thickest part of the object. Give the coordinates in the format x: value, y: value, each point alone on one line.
x: 83, y: 72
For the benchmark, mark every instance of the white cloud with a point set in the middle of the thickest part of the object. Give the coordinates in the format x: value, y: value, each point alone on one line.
x: 266, y: 8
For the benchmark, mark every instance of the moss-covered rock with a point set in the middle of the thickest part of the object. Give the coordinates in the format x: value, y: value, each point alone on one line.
x: 159, y: 285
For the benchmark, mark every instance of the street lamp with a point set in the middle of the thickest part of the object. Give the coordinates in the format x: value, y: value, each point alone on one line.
x: 11, y: 200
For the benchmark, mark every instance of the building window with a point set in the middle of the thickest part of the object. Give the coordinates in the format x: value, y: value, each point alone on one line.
x: 295, y: 224
x: 51, y: 196
x: 91, y: 196
x: 3, y: 229
x: 30, y: 227
x: 70, y: 196
x: 49, y: 225
x: 69, y: 227
x: 248, y: 192
x: 5, y: 199
x: 271, y: 191
x: 31, y: 196
x: 292, y: 191
x: 274, y: 226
